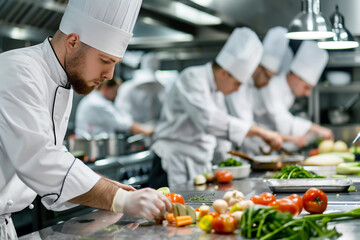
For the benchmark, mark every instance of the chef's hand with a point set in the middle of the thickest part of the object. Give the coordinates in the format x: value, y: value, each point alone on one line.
x: 125, y: 187
x: 323, y: 132
x: 146, y: 203
x: 272, y: 138
x: 300, y: 141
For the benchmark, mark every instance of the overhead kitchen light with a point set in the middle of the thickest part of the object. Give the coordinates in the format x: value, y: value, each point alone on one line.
x: 343, y: 38
x: 194, y: 15
x: 309, y: 23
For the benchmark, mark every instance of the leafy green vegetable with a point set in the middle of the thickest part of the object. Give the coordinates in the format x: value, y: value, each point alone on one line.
x: 230, y: 162
x: 295, y: 171
x: 264, y: 222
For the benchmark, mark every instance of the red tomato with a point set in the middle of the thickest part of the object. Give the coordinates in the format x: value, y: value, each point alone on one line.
x: 298, y: 202
x: 314, y: 200
x: 285, y: 205
x: 214, y: 214
x: 224, y: 224
x: 223, y: 176
x: 175, y: 198
x: 263, y: 199
x: 313, y: 152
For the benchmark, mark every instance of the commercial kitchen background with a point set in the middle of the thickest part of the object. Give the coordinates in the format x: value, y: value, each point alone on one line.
x: 185, y: 33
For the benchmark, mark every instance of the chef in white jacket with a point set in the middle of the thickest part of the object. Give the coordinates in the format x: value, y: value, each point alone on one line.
x: 194, y: 112
x: 278, y: 97
x: 241, y: 102
x: 97, y: 115
x: 142, y: 96
x: 37, y: 84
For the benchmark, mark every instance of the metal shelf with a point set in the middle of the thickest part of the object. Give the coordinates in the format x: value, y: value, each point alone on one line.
x: 350, y: 88
x: 344, y: 59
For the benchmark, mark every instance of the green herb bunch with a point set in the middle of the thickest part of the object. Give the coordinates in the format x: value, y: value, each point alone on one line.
x: 295, y: 171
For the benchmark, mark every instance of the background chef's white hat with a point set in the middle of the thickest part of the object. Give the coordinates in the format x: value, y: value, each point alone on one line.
x: 102, y: 24
x: 309, y: 62
x: 241, y: 54
x: 275, y: 45
x: 150, y: 61
x: 286, y: 61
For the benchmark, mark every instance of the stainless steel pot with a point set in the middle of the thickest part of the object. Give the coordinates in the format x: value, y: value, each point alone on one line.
x: 93, y: 148
x: 117, y: 145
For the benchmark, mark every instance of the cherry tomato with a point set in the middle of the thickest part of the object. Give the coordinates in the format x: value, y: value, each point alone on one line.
x: 285, y: 205
x: 223, y: 176
x: 263, y: 199
x: 298, y: 202
x: 314, y: 200
x: 214, y: 214
x: 313, y: 152
x: 175, y: 198
x: 224, y: 224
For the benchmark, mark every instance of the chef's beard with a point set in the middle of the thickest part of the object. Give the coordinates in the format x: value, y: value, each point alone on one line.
x: 73, y: 67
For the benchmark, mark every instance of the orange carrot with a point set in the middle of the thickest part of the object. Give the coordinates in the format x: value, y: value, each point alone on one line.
x: 170, y: 217
x: 203, y: 210
x: 183, y: 220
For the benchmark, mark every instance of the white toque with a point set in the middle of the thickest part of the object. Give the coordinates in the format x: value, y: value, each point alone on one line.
x: 106, y: 25
x: 309, y: 62
x: 241, y: 54
x: 275, y: 46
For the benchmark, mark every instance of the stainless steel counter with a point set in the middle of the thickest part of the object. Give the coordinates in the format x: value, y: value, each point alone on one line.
x: 108, y: 225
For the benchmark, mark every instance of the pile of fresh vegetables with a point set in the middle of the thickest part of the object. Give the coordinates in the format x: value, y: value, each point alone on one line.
x: 263, y: 216
x: 295, y: 171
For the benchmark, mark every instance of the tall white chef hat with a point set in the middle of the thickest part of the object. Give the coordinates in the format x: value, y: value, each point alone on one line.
x: 105, y: 25
x: 241, y: 54
x: 275, y: 45
x: 309, y: 62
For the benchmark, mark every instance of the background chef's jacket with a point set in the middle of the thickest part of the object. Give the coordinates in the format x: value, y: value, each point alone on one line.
x: 97, y: 115
x: 240, y: 103
x: 142, y: 104
x: 185, y: 137
x: 34, y: 113
x: 271, y: 110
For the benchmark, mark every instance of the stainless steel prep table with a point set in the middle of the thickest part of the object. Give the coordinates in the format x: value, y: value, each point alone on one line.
x: 107, y: 225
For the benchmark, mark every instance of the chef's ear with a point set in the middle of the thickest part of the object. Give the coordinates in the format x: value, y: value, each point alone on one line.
x: 72, y: 41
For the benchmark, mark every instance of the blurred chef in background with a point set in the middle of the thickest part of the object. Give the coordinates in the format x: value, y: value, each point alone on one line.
x: 194, y: 112
x: 240, y: 104
x: 141, y: 97
x: 97, y: 115
x: 272, y: 107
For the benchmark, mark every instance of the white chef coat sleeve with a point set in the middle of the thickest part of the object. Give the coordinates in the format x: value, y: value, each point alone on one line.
x: 196, y: 99
x: 286, y: 123
x: 27, y: 139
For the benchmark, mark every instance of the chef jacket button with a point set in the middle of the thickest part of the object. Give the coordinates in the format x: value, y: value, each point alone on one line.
x: 59, y: 91
x: 31, y: 206
x: 66, y: 119
x: 10, y: 203
x: 56, y: 117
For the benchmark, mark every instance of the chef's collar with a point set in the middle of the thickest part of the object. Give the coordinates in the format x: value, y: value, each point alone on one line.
x: 210, y: 77
x: 57, y: 71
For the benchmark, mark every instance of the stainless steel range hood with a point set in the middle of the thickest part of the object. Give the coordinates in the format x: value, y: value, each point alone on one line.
x: 165, y: 22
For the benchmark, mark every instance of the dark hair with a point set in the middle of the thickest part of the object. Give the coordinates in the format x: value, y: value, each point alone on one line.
x: 115, y: 81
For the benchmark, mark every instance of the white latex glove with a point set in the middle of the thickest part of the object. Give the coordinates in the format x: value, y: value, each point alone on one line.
x: 145, y: 203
